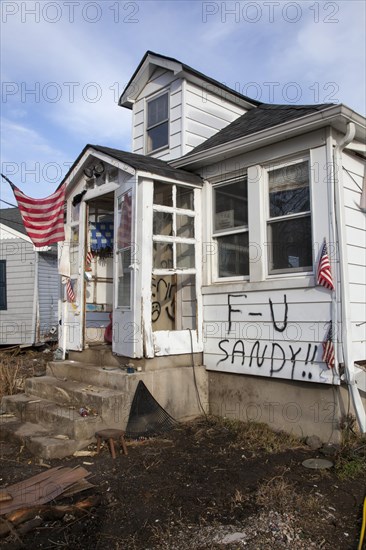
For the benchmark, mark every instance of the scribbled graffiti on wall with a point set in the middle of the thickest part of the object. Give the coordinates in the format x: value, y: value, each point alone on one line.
x: 163, y: 302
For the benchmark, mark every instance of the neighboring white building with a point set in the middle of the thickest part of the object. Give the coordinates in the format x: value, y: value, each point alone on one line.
x: 206, y: 241
x: 29, y: 285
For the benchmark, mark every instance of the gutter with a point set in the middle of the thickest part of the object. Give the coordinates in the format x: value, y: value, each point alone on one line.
x: 265, y: 137
x: 344, y: 278
x: 35, y: 315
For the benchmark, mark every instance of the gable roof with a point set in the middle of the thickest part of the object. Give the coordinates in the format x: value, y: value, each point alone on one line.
x: 263, y: 117
x: 13, y: 219
x: 141, y: 163
x: 164, y: 61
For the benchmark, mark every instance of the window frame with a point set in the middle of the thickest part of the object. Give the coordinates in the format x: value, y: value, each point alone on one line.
x: 167, y: 120
x: 307, y: 270
x: 173, y: 239
x: 3, y: 285
x: 230, y: 231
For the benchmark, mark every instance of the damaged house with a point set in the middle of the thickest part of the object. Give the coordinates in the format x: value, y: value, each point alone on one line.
x: 196, y: 255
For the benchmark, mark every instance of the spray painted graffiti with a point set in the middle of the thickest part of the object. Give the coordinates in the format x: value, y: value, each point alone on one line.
x: 163, y: 295
x: 293, y: 360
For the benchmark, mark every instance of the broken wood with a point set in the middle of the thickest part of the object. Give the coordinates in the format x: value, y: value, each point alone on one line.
x: 42, y: 488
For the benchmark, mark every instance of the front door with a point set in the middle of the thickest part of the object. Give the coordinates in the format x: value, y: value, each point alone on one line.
x: 127, y: 337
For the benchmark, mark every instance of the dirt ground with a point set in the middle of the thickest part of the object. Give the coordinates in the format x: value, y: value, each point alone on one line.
x: 208, y: 484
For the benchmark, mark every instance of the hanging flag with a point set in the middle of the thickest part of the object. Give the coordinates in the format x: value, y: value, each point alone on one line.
x: 328, y: 348
x: 43, y: 219
x: 324, y: 275
x: 70, y: 291
x: 88, y: 260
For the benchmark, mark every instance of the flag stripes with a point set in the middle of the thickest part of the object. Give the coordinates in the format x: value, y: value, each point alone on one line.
x: 328, y: 348
x: 43, y: 219
x: 70, y: 291
x: 324, y: 274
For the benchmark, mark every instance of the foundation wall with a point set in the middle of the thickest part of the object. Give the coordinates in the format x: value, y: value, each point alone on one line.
x: 302, y: 409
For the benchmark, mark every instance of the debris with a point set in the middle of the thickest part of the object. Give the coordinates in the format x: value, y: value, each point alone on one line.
x: 5, y: 496
x: 41, y: 488
x: 44, y: 464
x: 314, y: 442
x: 61, y: 436
x: 83, y: 412
x: 84, y: 453
x: 317, y: 463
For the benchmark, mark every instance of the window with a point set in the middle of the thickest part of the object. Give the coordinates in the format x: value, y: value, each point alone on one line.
x: 174, y: 266
x: 231, y: 228
x: 157, y: 123
x: 3, y: 303
x: 289, y: 219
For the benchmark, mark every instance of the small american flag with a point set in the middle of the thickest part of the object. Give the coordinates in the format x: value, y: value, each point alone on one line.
x: 328, y: 348
x: 89, y: 258
x: 324, y: 275
x: 70, y: 292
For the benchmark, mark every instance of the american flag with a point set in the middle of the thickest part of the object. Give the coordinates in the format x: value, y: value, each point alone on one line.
x: 89, y: 258
x: 43, y: 219
x: 324, y: 275
x: 70, y: 292
x: 328, y: 348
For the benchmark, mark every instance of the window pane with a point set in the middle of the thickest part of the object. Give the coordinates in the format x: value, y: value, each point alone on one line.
x: 163, y: 291
x: 157, y: 110
x: 124, y: 278
x: 185, y: 226
x: 162, y: 223
x: 289, y: 190
x: 231, y: 205
x: 157, y: 137
x: 163, y: 194
x: 184, y: 198
x: 163, y: 255
x: 185, y: 256
x: 233, y: 255
x: 74, y: 251
x: 290, y: 244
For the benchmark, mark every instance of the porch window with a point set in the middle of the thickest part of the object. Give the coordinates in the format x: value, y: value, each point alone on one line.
x: 3, y: 303
x: 231, y: 228
x: 289, y: 219
x: 174, y: 266
x: 157, y: 123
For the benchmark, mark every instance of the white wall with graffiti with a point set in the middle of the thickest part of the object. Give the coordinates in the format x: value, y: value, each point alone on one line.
x: 277, y: 333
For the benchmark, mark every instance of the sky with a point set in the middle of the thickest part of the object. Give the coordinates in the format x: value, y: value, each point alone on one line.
x: 65, y: 63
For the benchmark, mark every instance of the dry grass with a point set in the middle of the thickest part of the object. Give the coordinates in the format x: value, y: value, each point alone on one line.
x: 10, y: 380
x: 258, y: 437
x: 280, y: 495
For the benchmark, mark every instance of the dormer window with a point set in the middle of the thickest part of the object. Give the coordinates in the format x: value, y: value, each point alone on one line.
x: 157, y: 123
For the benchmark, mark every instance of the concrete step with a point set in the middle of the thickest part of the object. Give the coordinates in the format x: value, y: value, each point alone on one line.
x: 112, y: 377
x: 39, y: 441
x: 112, y: 406
x: 56, y: 418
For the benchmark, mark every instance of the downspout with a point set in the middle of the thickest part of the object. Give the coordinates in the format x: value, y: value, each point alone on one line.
x: 35, y: 315
x: 344, y: 279
x: 333, y: 239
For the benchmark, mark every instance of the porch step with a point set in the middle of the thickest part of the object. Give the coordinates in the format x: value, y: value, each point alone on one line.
x: 112, y: 406
x: 112, y: 377
x: 39, y: 441
x: 55, y: 418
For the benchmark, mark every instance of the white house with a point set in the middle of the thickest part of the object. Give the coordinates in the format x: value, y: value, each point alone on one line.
x: 29, y: 285
x: 206, y: 240
x: 217, y: 220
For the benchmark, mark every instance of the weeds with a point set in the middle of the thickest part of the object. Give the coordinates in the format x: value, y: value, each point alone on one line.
x: 277, y: 494
x: 10, y: 380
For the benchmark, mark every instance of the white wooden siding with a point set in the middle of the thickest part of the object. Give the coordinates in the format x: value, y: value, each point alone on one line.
x: 290, y: 346
x: 206, y: 114
x: 16, y: 322
x: 48, y: 293
x: 353, y: 174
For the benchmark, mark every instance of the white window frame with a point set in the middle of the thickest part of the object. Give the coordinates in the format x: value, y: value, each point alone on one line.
x: 174, y: 240
x: 231, y: 231
x: 147, y: 101
x: 282, y: 273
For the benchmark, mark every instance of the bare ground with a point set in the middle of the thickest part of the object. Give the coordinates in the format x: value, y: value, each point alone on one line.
x: 208, y: 484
